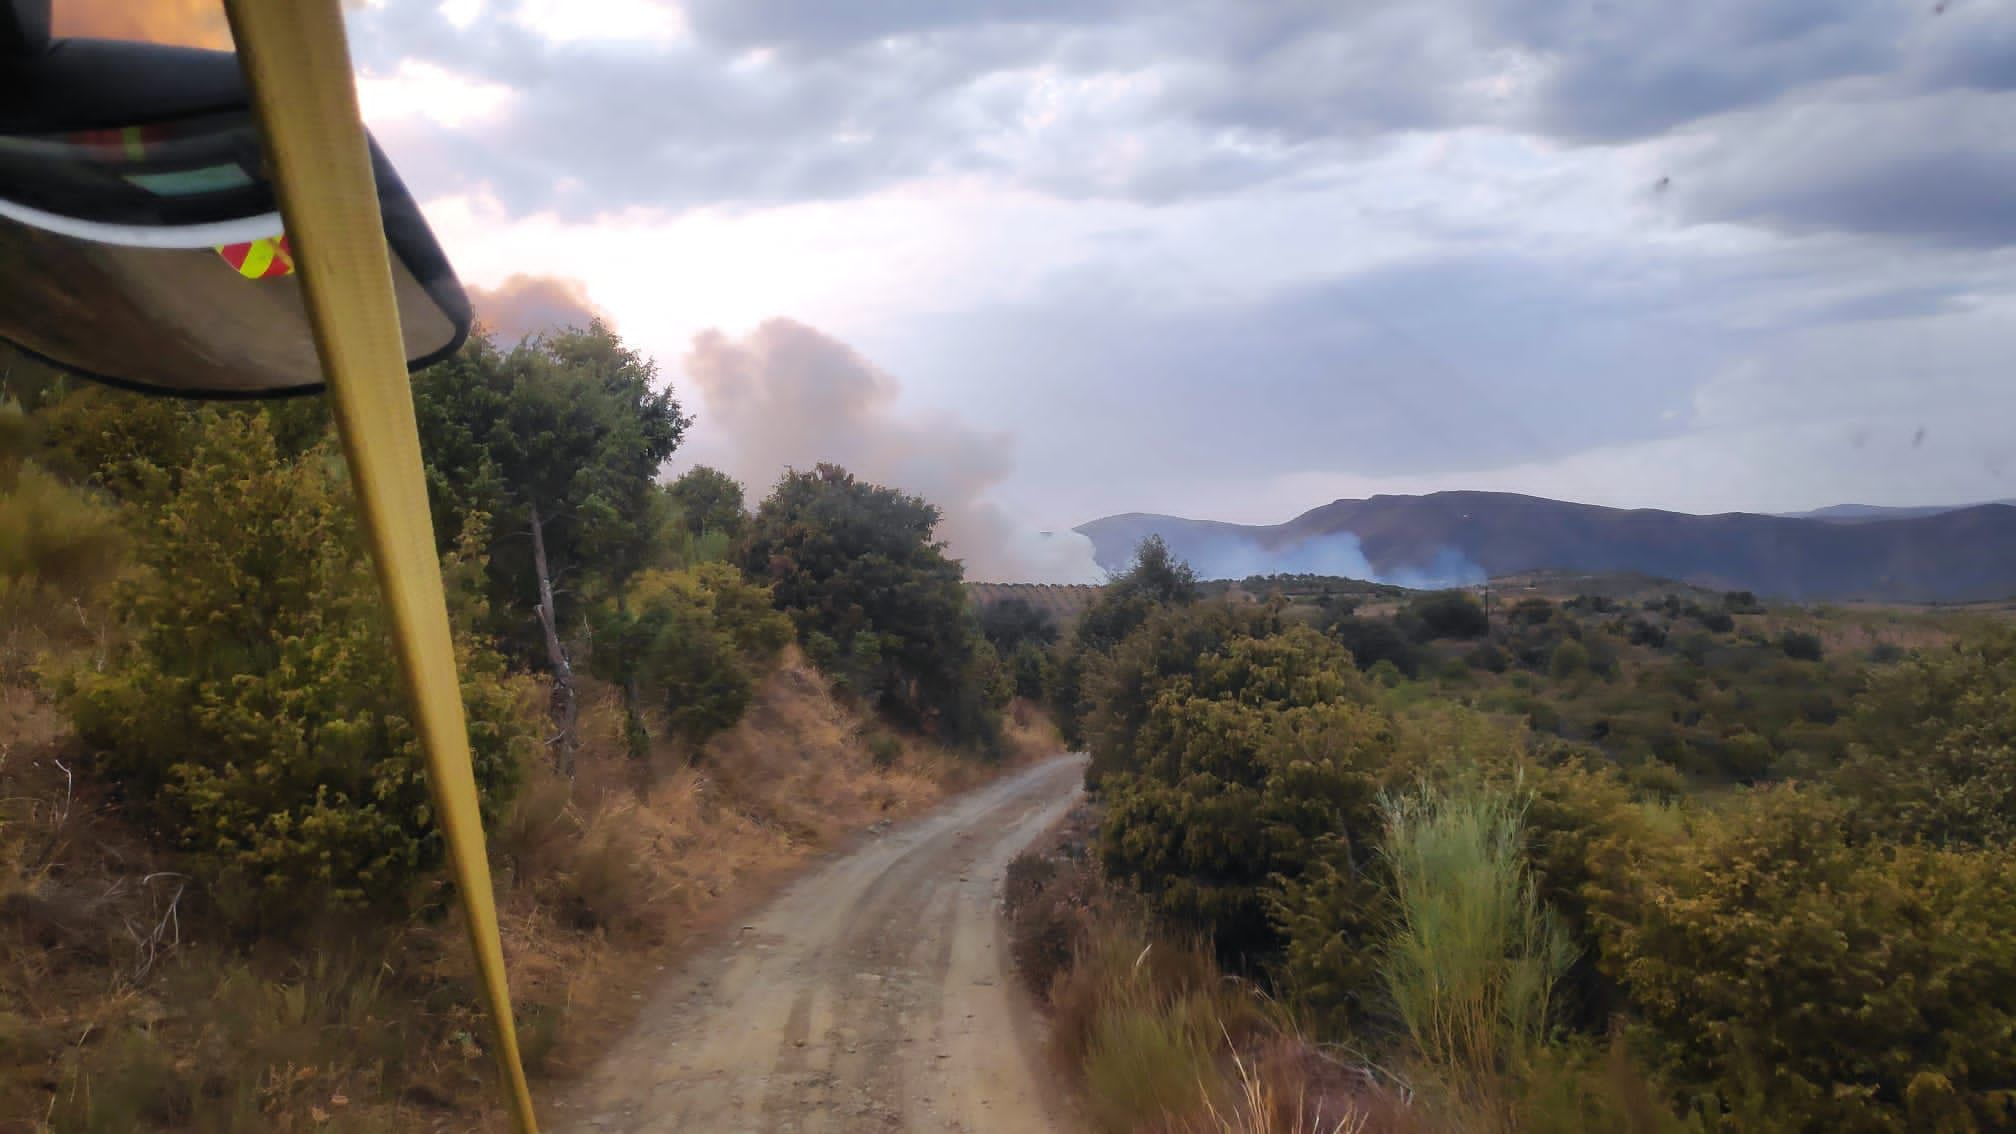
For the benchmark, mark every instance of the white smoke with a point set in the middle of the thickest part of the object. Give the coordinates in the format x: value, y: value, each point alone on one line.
x: 1236, y: 555
x: 790, y: 396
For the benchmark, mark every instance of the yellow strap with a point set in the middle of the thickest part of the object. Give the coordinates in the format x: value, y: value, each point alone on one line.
x: 297, y: 64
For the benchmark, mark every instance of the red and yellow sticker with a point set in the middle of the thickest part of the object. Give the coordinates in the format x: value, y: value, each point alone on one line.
x: 260, y: 259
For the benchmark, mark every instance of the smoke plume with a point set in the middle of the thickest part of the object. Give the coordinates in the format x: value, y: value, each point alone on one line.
x: 790, y: 396
x: 523, y: 306
x: 1220, y: 554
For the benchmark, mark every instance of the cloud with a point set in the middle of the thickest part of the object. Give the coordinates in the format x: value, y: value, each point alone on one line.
x: 1613, y: 71
x: 1935, y: 167
x: 787, y: 396
x: 186, y: 23
x: 772, y: 102
x: 1213, y: 255
x: 741, y: 101
x: 523, y: 306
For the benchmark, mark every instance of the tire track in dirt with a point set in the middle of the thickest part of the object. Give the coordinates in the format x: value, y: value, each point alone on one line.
x: 876, y: 994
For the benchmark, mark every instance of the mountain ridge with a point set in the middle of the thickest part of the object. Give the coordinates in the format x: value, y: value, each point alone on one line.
x: 1451, y: 538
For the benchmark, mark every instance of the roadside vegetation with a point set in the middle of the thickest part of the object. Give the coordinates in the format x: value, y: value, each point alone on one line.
x: 1670, y: 860
x: 221, y: 903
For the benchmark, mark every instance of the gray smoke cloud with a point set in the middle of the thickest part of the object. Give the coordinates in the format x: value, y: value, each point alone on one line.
x: 1235, y: 555
x: 790, y: 396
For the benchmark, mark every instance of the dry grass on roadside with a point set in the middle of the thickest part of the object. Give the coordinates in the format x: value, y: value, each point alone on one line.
x: 121, y: 1010
x: 1156, y: 1038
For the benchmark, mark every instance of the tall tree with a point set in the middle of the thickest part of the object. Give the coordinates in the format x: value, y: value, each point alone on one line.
x: 873, y: 595
x: 710, y: 502
x: 1156, y: 579
x: 560, y: 440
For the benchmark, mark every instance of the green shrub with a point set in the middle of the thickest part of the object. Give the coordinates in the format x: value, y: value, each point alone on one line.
x: 1331, y: 918
x: 1794, y: 979
x: 256, y: 719
x: 1156, y: 579
x: 59, y: 545
x: 884, y: 750
x: 1717, y: 621
x: 1934, y: 755
x: 1488, y: 657
x: 878, y: 603
x: 1449, y: 614
x: 1029, y: 669
x: 1234, y: 759
x: 1473, y: 955
x: 694, y: 641
x: 1119, y: 691
x: 1800, y: 645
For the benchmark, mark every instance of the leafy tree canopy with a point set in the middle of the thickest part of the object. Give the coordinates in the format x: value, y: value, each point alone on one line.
x: 710, y: 502
x: 871, y: 591
x: 574, y: 426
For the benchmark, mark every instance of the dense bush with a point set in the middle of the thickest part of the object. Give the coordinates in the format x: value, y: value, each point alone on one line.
x: 875, y: 599
x: 1371, y: 641
x: 570, y: 428
x: 256, y: 719
x: 1804, y: 981
x: 1029, y: 670
x: 1801, y: 645
x: 694, y: 641
x: 1118, y: 692
x: 1012, y: 622
x: 1935, y: 752
x: 1716, y: 621
x: 1835, y: 957
x: 1155, y: 579
x: 1449, y: 614
x: 59, y: 544
x: 709, y: 503
x: 1234, y: 759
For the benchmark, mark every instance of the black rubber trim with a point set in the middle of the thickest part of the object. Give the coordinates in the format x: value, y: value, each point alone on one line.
x: 105, y: 84
x: 89, y: 84
x: 24, y: 27
x: 438, y: 287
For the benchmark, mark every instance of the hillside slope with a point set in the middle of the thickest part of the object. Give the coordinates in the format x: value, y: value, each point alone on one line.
x: 1449, y: 538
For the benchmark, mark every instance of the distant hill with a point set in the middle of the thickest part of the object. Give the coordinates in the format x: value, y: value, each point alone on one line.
x: 1458, y: 538
x: 1863, y: 513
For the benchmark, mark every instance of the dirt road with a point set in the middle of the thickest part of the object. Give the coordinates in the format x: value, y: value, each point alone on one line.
x: 874, y: 995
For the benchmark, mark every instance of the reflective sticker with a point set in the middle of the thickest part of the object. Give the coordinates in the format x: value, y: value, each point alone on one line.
x: 191, y: 182
x: 260, y: 259
x: 128, y: 142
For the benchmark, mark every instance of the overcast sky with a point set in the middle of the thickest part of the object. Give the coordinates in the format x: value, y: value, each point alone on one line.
x: 1235, y: 258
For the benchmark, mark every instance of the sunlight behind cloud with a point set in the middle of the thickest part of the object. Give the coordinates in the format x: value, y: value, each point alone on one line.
x: 417, y: 89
